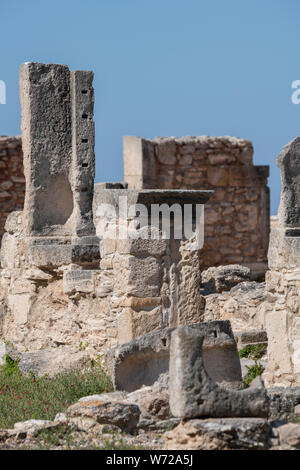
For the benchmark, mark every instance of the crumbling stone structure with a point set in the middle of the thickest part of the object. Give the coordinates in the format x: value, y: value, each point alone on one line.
x: 12, y: 181
x: 155, y: 281
x: 282, y: 309
x: 236, y: 217
x: 71, y: 288
x: 55, y: 290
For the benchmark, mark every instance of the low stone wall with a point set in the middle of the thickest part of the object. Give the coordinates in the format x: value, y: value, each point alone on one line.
x: 12, y: 181
x: 236, y: 217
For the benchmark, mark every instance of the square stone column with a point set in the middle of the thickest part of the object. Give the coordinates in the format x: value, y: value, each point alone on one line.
x: 282, y: 316
x: 59, y: 163
x: 156, y: 279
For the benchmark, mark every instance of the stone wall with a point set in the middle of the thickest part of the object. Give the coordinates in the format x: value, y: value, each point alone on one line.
x: 282, y: 308
x: 12, y: 181
x: 236, y: 217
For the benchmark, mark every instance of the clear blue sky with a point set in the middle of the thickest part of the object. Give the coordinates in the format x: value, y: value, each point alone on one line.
x: 166, y: 67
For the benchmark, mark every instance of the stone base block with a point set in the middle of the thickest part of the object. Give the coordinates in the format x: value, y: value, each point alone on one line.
x: 55, y: 255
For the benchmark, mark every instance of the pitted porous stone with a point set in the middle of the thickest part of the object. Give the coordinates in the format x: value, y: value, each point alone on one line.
x: 193, y: 393
x: 142, y: 360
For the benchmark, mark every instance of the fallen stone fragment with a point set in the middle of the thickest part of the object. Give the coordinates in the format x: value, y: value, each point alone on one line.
x: 219, y: 434
x: 154, y: 425
x: 250, y: 337
x: 52, y: 361
x: 194, y: 394
x: 223, y: 278
x: 104, y: 409
x: 31, y: 428
x: 151, y: 403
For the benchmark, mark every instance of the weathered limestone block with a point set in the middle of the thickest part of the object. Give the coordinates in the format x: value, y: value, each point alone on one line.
x: 20, y: 305
x: 243, y: 305
x: 133, y: 323
x: 220, y: 434
x: 140, y: 277
x: 193, y: 393
x: 12, y: 247
x: 58, y: 145
x: 250, y: 337
x: 289, y: 164
x: 283, y: 280
x: 106, y: 410
x: 223, y: 278
x: 51, y: 361
x: 144, y: 359
x: 79, y: 281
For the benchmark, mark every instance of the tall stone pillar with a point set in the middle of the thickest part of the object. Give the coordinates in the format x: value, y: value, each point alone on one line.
x: 283, y: 278
x: 59, y: 164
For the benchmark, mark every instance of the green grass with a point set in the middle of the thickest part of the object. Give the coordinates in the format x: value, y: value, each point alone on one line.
x: 253, y: 371
x: 253, y: 351
x: 23, y: 397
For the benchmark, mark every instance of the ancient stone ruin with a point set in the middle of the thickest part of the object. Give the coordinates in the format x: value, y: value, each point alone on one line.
x: 90, y: 270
